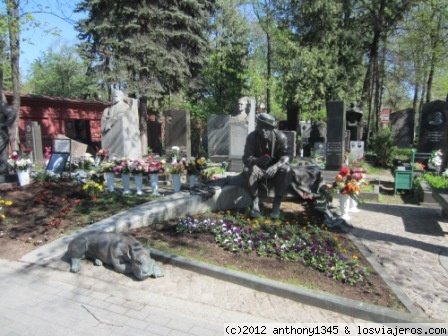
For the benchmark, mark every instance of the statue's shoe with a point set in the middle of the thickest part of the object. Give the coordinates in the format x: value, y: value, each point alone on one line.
x: 254, y: 213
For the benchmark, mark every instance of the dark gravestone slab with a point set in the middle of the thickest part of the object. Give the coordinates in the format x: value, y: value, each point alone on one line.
x: 218, y: 135
x: 335, y: 135
x: 354, y: 122
x: 33, y: 140
x: 155, y: 136
x: 402, y: 123
x: 178, y: 130
x: 292, y: 146
x: 433, y: 126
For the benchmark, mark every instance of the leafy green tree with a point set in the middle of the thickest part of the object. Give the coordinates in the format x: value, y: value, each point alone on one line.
x: 224, y: 77
x: 152, y: 48
x: 62, y: 74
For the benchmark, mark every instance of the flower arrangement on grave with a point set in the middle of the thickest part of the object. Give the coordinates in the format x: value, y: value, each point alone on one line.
x: 138, y: 166
x: 123, y: 166
x: 92, y: 188
x: 419, y: 166
x: 85, y: 162
x: 102, y: 153
x: 435, y: 160
x: 176, y: 168
x: 18, y: 163
x: 196, y: 166
x: 107, y: 167
x: 348, y: 182
x: 155, y: 167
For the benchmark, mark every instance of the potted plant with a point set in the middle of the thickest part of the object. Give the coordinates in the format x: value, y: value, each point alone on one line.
x: 92, y: 189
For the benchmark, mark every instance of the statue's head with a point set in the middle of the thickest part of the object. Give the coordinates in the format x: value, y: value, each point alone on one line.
x: 266, y: 123
x: 118, y: 96
x: 242, y: 103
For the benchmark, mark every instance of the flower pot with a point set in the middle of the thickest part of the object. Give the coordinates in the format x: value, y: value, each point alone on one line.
x: 138, y: 184
x: 176, y: 182
x: 344, y: 206
x: 154, y: 180
x: 93, y: 198
x: 126, y: 179
x: 194, y: 179
x: 110, y: 181
x: 24, y: 177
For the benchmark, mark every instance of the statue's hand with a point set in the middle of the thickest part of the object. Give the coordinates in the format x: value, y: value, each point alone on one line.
x: 271, y: 171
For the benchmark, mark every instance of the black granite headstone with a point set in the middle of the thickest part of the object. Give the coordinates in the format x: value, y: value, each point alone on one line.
x: 155, y: 136
x: 178, y: 130
x: 433, y: 126
x: 402, y: 123
x: 335, y: 135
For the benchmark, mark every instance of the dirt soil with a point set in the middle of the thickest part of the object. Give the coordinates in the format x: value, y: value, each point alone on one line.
x: 41, y: 213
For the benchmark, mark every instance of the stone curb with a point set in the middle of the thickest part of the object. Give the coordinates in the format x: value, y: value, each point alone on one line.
x: 311, y: 297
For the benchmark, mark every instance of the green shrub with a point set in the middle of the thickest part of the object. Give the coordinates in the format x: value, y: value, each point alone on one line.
x: 382, y: 144
x: 436, y: 181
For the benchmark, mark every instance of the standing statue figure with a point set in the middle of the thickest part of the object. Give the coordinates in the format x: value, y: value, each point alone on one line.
x: 242, y: 111
x: 266, y: 158
x: 7, y: 117
x: 120, y: 128
x: 114, y: 113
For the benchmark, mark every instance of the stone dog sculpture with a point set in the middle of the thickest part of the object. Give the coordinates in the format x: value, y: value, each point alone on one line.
x: 122, y: 251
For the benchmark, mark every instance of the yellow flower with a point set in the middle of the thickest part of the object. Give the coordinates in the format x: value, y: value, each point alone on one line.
x: 355, y: 257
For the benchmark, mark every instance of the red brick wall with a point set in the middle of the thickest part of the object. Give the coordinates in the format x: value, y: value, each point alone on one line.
x: 53, y: 113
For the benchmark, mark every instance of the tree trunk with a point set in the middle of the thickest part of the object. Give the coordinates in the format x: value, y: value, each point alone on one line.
x: 143, y: 123
x: 14, y: 38
x: 268, y: 75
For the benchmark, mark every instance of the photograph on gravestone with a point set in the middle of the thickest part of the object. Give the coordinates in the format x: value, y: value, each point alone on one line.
x: 433, y: 126
x: 402, y: 126
x: 335, y: 135
x: 57, y: 163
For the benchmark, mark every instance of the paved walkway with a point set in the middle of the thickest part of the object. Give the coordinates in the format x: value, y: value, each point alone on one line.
x: 407, y: 245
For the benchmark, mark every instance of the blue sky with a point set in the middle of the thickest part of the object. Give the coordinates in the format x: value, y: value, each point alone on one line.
x: 52, y: 33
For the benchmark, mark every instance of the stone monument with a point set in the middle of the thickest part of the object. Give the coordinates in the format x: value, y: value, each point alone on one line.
x: 240, y: 125
x: 120, y: 132
x: 33, y: 140
x: 433, y: 127
x: 402, y: 125
x: 354, y: 122
x: 178, y: 131
x: 335, y: 135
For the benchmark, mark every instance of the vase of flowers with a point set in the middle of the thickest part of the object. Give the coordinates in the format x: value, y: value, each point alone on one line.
x: 126, y: 180
x: 137, y: 168
x: 195, y: 168
x: 154, y: 169
x: 107, y: 167
x: 348, y: 185
x: 176, y: 169
x: 22, y: 166
x: 176, y: 182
